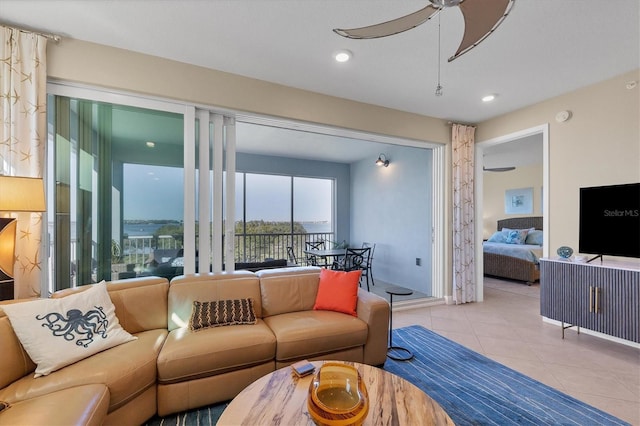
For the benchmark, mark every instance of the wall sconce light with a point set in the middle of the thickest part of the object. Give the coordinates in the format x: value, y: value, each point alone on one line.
x: 381, y: 162
x: 17, y: 194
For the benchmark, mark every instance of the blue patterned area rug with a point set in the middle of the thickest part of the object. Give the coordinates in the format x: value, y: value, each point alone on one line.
x: 472, y: 389
x: 206, y: 416
x: 475, y: 390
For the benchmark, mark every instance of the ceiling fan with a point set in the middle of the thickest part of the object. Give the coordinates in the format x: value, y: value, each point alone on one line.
x: 481, y: 18
x: 498, y: 169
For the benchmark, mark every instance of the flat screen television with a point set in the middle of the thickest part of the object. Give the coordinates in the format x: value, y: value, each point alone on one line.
x: 610, y: 220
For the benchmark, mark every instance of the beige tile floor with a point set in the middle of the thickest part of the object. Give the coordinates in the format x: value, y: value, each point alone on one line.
x: 507, y: 328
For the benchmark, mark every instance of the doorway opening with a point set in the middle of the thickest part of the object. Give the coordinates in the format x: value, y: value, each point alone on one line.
x: 537, y: 134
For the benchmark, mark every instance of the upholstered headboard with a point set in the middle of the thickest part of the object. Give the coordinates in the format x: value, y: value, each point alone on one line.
x: 521, y: 222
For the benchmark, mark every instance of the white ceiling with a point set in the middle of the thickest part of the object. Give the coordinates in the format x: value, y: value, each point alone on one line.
x: 544, y: 47
x: 267, y: 140
x: 526, y: 151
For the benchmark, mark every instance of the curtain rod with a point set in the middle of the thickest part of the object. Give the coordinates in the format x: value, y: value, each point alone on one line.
x: 451, y: 123
x: 54, y: 37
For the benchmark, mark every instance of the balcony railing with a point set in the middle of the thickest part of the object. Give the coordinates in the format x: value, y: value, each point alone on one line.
x: 139, y: 250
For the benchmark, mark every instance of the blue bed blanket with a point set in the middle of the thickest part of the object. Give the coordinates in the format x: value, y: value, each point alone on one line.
x: 528, y: 252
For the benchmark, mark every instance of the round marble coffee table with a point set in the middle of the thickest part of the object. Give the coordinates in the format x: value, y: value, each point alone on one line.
x: 281, y: 398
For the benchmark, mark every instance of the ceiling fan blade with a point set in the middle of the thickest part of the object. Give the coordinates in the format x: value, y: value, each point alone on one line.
x: 481, y: 18
x: 498, y: 169
x: 392, y: 27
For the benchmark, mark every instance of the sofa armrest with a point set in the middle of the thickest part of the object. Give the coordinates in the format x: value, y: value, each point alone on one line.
x: 81, y: 405
x: 374, y: 310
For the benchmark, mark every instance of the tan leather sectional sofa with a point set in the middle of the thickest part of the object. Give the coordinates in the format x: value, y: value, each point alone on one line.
x: 170, y: 368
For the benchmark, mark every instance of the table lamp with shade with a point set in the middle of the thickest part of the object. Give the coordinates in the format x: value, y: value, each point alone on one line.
x: 17, y: 194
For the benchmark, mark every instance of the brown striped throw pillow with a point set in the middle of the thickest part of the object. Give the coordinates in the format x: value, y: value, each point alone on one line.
x: 221, y: 312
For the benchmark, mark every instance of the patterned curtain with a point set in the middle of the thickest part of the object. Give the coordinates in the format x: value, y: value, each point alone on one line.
x: 464, y: 283
x: 23, y: 96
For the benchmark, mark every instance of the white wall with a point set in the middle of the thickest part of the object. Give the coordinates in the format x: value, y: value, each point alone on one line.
x: 391, y: 207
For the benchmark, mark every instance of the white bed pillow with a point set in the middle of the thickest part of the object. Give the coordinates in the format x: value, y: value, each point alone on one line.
x: 52, y: 341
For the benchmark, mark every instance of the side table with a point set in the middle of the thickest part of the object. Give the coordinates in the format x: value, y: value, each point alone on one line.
x: 396, y: 352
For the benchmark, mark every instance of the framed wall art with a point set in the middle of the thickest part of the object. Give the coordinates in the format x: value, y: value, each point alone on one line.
x: 518, y: 201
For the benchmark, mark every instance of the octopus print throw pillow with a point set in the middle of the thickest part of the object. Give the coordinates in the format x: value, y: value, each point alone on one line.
x: 59, y: 332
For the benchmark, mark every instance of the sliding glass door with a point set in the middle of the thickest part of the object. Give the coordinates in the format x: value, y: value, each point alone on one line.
x: 116, y: 190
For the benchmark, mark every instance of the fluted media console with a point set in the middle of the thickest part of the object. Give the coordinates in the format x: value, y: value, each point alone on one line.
x: 603, y: 297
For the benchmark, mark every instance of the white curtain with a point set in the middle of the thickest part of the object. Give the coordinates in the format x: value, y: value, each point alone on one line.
x: 464, y: 281
x: 23, y: 79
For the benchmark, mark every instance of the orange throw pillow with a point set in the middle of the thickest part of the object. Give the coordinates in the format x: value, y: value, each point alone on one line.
x: 338, y: 291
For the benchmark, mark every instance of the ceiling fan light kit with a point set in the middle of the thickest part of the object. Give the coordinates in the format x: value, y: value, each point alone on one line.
x: 481, y: 18
x: 445, y: 3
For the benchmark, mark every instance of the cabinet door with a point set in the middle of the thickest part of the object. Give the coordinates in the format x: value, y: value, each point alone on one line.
x: 618, y: 302
x: 564, y: 293
x: 550, y: 296
x: 575, y: 295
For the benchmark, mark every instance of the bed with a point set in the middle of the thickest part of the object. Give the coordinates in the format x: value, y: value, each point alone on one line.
x: 511, y: 260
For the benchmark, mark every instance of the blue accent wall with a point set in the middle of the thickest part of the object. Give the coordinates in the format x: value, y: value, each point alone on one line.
x: 392, y: 207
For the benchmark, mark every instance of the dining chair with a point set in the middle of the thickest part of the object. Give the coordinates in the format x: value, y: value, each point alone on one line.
x: 368, y: 263
x: 354, y: 259
x: 291, y: 256
x: 339, y: 262
x: 312, y: 260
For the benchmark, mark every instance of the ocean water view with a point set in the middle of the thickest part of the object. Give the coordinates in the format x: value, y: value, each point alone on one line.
x: 141, y: 229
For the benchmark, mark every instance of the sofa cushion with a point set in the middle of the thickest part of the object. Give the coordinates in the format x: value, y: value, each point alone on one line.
x: 189, y: 355
x: 59, y: 332
x: 221, y: 312
x: 81, y: 405
x: 184, y: 290
x: 141, y: 303
x: 338, y: 291
x: 306, y: 334
x: 127, y: 370
x: 288, y: 289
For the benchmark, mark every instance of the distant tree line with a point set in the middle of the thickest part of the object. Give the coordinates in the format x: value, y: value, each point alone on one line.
x: 247, y: 249
x: 252, y: 227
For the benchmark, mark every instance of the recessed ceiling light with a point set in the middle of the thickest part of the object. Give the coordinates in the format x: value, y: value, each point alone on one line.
x: 488, y: 98
x: 150, y: 144
x: 343, y: 55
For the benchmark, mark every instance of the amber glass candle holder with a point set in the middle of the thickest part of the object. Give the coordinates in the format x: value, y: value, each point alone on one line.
x: 338, y: 396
